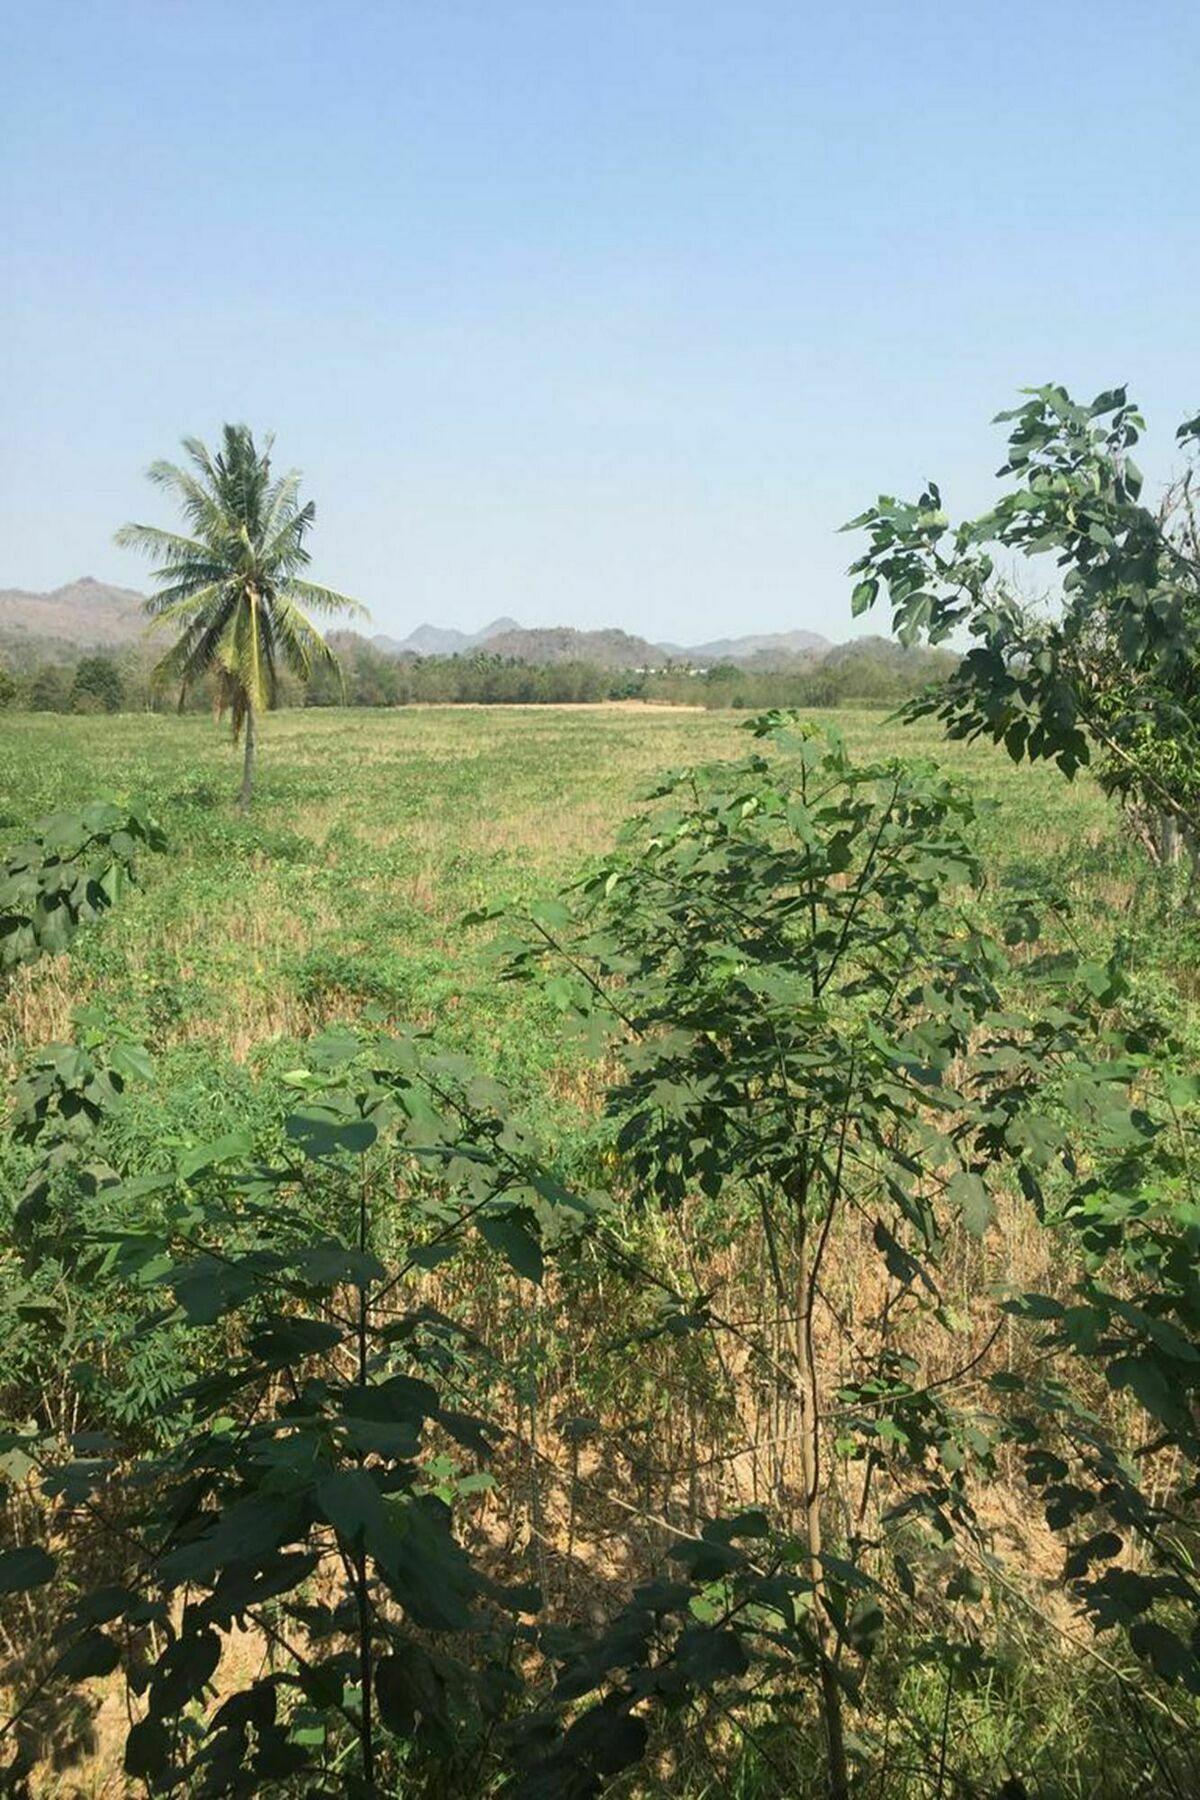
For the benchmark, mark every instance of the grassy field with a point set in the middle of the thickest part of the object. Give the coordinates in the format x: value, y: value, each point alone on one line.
x: 374, y: 832
x: 343, y: 894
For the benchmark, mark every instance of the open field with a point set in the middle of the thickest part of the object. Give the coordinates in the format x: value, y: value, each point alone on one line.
x: 341, y: 897
x: 374, y: 832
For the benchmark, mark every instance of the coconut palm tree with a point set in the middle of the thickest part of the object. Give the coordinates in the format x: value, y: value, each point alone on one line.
x: 233, y: 589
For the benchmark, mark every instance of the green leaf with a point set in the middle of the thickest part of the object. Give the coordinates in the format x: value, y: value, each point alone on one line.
x: 410, y: 1686
x: 25, y: 1568
x: 90, y: 1655
x: 331, y: 1264
x: 973, y: 1201
x: 1167, y: 1654
x: 235, y: 1145
x: 865, y: 1625
x: 863, y: 596
x: 131, y: 1062
x: 284, y: 1339
x: 1146, y: 1378
x: 147, y: 1750
x: 426, y: 1570
x: 184, y: 1671
x: 352, y: 1503
x: 320, y: 1135
x: 708, y: 1656
x: 519, y: 1248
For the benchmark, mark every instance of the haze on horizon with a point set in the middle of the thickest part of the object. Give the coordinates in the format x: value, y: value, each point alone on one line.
x: 588, y: 316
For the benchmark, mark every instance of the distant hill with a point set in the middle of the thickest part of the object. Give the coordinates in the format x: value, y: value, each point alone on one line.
x: 89, y: 615
x: 758, y: 649
x: 436, y: 640
x: 611, y: 649
x: 889, y: 653
x: 56, y: 627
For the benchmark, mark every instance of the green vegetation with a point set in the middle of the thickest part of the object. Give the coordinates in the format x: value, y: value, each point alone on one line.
x: 233, y: 590
x: 1112, y: 674
x: 499, y: 1301
x: 773, y: 1273
x: 872, y: 672
x: 73, y: 867
x: 97, y: 686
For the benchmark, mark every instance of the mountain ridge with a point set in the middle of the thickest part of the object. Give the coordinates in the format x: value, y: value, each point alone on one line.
x: 609, y: 645
x: 87, y: 614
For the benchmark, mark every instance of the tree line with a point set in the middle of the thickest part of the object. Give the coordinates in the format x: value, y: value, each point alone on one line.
x: 861, y: 676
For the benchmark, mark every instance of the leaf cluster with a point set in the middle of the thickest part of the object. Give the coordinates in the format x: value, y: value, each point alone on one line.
x: 1109, y: 671
x: 73, y: 867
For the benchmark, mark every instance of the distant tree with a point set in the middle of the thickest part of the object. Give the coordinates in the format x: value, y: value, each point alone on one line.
x: 8, y: 688
x: 323, y: 687
x: 233, y: 589
x: 97, y: 680
x: 50, y: 689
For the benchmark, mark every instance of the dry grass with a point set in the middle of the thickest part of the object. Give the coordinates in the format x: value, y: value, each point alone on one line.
x: 39, y: 1003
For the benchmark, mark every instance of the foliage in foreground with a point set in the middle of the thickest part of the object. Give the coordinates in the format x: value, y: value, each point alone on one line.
x: 807, y: 1039
x: 73, y: 868
x: 1111, y: 673
x: 810, y: 1027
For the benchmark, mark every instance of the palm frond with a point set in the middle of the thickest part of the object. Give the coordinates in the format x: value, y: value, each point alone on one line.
x: 151, y: 541
x: 191, y: 607
x: 176, y: 580
x: 268, y: 655
x: 281, y: 505
x: 324, y: 599
x: 286, y: 548
x: 298, y: 638
x: 245, y: 658
x: 243, y: 478
x: 199, y: 503
x: 197, y: 651
x: 199, y: 453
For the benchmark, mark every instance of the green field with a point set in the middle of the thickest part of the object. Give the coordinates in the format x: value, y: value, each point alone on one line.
x: 341, y: 899
x: 376, y: 831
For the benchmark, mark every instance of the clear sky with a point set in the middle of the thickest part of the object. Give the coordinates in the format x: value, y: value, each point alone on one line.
x: 588, y: 311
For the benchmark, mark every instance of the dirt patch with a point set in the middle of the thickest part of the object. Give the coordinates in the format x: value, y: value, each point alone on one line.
x: 543, y: 706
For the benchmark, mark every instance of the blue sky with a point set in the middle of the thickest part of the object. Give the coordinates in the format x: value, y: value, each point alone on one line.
x: 595, y: 313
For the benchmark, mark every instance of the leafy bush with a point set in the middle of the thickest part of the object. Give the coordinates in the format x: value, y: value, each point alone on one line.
x: 1111, y: 672
x: 813, y: 1035
x: 97, y: 685
x: 302, y: 1312
x: 298, y: 1446
x: 73, y: 868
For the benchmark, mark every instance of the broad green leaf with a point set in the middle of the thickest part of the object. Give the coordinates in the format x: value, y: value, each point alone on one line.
x: 969, y: 1194
x: 25, y: 1568
x: 90, y: 1655
x: 234, y: 1146
x: 510, y: 1239
x: 320, y: 1136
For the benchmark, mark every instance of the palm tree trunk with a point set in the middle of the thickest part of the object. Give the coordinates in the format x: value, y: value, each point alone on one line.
x: 247, y: 792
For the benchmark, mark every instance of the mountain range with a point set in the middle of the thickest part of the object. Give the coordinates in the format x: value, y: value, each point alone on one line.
x: 55, y: 627
x: 443, y: 640
x: 88, y: 615
x: 611, y: 647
